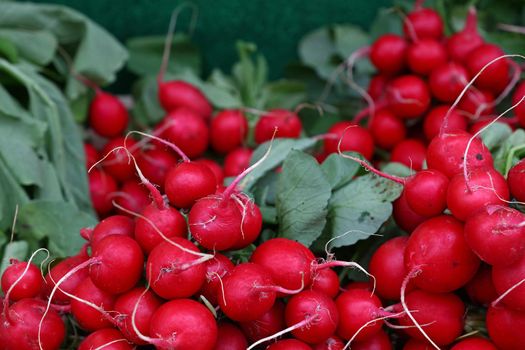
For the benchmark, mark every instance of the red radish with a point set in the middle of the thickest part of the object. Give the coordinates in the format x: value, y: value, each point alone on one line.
x: 325, y: 281
x: 445, y: 153
x: 423, y: 23
x: 237, y: 161
x: 117, y: 162
x: 415, y: 344
x: 476, y: 103
x: 22, y: 280
x: 264, y: 326
x: 388, y: 54
x: 441, y: 315
x: 480, y: 288
x: 215, y: 168
x: 461, y: 44
x: 408, y: 96
x: 332, y: 343
x: 482, y: 187
x: 433, y: 184
x: 495, y: 235
x: 347, y: 136
x: 516, y: 179
x: 26, y: 326
x: 357, y: 285
x: 494, y: 77
x: 289, y: 344
x: 424, y: 55
x: 188, y: 182
x: 388, y: 267
x: 387, y: 129
x: 435, y: 118
x: 145, y: 303
x: 474, y: 343
x: 166, y: 219
x: 508, y: 281
x: 287, y: 123
x: 404, y: 216
x: 155, y: 164
x: 180, y: 94
x: 107, y: 115
x: 112, y: 225
x: 505, y: 327
x: 228, y: 130
x: 438, y: 250
x: 377, y: 86
x: 179, y: 323
x: 520, y: 109
x: 230, y: 338
x: 133, y: 197
x: 410, y: 152
x: 217, y: 269
x: 101, y: 188
x: 251, y: 221
x: 87, y: 316
x: 107, y: 339
x: 91, y: 154
x: 379, y: 341
x: 447, y: 81
x: 176, y: 270
x: 316, y: 312
x: 58, y: 271
x: 187, y: 130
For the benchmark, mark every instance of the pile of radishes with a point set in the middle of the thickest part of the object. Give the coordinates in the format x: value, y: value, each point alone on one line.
x: 161, y: 268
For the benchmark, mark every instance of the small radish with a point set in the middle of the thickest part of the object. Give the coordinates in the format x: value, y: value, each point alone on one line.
x: 477, y: 103
x: 388, y: 267
x: 107, y: 339
x: 264, y: 326
x: 377, y: 86
x: 107, y: 115
x: 422, y: 23
x: 505, y: 327
x: 251, y: 221
x: 410, y: 152
x: 474, y: 343
x: 217, y: 269
x: 287, y: 123
x: 228, y: 130
x: 494, y: 77
x: 91, y: 154
x: 332, y: 343
x: 404, y: 216
x: 379, y: 341
x: 435, y: 118
x: 87, y: 316
x: 58, y: 271
x: 230, y: 338
x: 424, y: 55
x: 459, y: 45
x: 438, y: 250
x: 508, y: 281
x: 325, y: 281
x: 101, y: 188
x: 117, y: 162
x: 112, y: 225
x: 482, y: 187
x: 516, y: 179
x: 22, y: 280
x: 347, y: 136
x: 408, y: 96
x: 132, y: 196
x: 188, y: 182
x: 495, y: 235
x: 289, y: 344
x: 387, y: 129
x: 433, y: 184
x: 215, y: 168
x: 520, y: 109
x: 415, y: 344
x: 155, y: 164
x: 388, y: 54
x: 447, y: 81
x: 480, y: 288
x: 237, y: 161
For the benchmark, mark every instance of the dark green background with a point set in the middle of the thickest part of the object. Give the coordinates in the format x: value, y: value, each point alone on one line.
x: 275, y: 26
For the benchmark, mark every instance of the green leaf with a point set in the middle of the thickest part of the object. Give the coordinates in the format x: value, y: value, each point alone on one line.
x: 349, y: 38
x: 397, y: 169
x: 386, y: 21
x: 8, y: 50
x: 280, y: 150
x: 285, y: 94
x: 358, y: 210
x: 14, y: 250
x: 495, y: 134
x: 339, y: 170
x: 36, y: 46
x: 146, y: 55
x: 317, y: 50
x: 58, y: 221
x: 303, y: 194
x: 510, y: 152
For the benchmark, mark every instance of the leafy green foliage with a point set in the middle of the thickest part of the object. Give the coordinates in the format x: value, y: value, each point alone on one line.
x: 510, y: 151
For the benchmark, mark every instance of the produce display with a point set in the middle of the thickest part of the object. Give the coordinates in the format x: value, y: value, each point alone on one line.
x: 372, y: 200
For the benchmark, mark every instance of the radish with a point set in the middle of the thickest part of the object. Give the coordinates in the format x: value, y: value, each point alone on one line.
x: 326, y: 281
x: 377, y: 86
x: 422, y: 23
x: 410, y: 152
x: 146, y: 303
x: 379, y: 341
x: 415, y: 344
x: 438, y: 251
x: 468, y: 194
x: 332, y: 343
x: 107, y: 115
x: 116, y: 161
x: 477, y: 103
x: 289, y: 344
x: 70, y: 284
x: 404, y: 216
x: 447, y: 81
x: 251, y: 221
x: 474, y: 343
x: 21, y: 280
x: 508, y: 281
x: 107, y: 339
x: 461, y: 44
x: 264, y: 326
x: 424, y: 55
x: 91, y: 155
x: 183, y: 324
x: 133, y: 197
x: 434, y: 185
x: 230, y: 338
x: 228, y: 131
x: 495, y: 77
x: 388, y: 54
x: 408, y: 96
x: 237, y: 161
x: 387, y: 129
x: 516, y: 179
x: 155, y: 164
x: 288, y: 124
x: 480, y: 288
x: 388, y: 267
x: 101, y: 188
x: 215, y: 168
x: 112, y: 225
x: 495, y: 235
x: 520, y: 109
x: 435, y: 118
x: 505, y: 327
x: 89, y: 317
x: 349, y: 137
x: 188, y: 182
x: 217, y: 269
x: 176, y: 270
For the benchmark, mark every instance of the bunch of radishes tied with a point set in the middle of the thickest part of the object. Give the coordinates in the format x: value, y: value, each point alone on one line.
x: 157, y: 270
